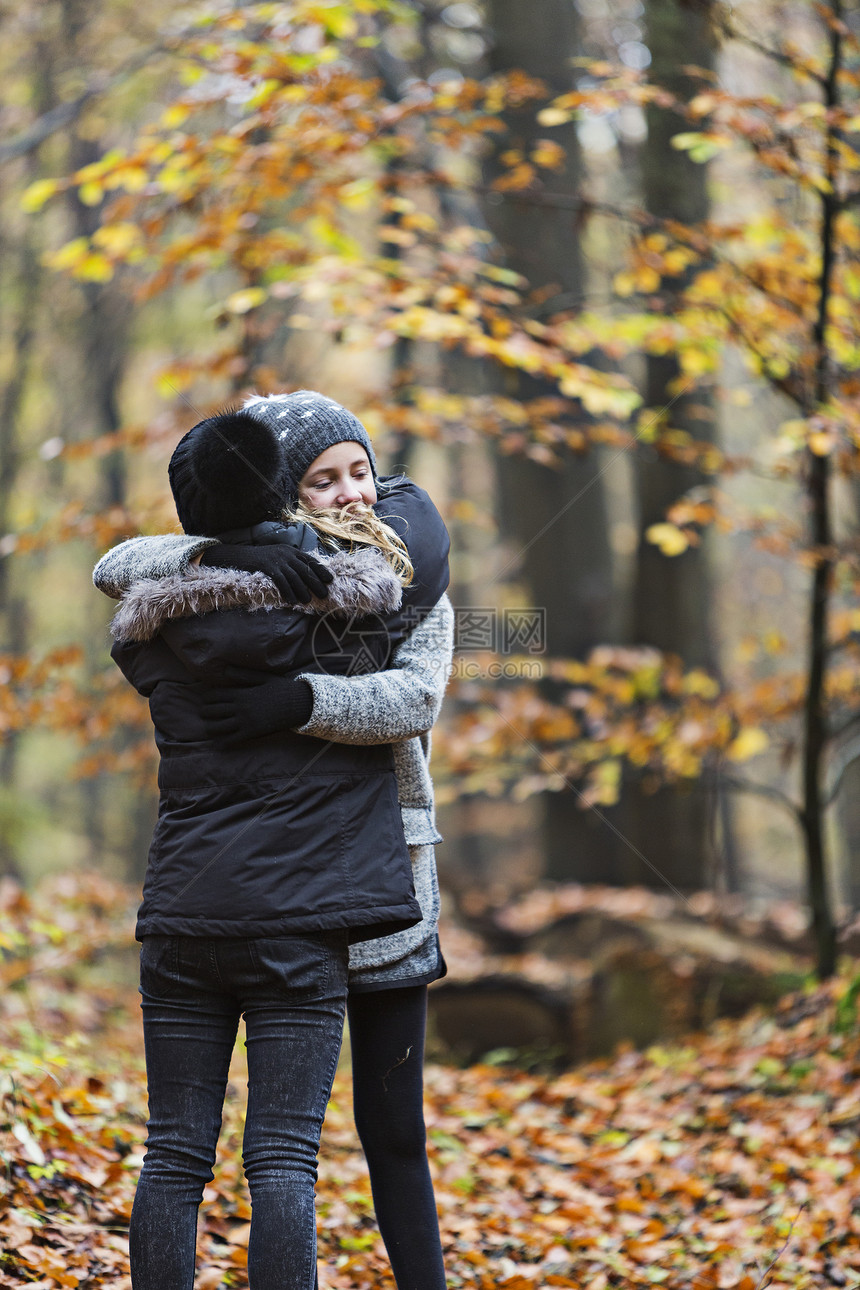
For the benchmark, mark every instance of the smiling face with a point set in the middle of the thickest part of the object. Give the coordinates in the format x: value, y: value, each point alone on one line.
x: 338, y: 477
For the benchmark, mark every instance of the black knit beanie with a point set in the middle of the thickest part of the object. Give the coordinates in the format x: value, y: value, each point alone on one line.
x: 228, y: 472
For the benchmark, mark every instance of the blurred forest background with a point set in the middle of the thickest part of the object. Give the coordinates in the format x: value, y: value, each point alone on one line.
x: 589, y: 271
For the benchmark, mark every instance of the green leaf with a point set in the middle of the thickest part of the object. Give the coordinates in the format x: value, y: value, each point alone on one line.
x: 365, y: 1241
x: 701, y: 147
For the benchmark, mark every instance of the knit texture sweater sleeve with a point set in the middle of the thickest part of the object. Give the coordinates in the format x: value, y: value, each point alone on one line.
x: 399, y: 703
x: 160, y: 556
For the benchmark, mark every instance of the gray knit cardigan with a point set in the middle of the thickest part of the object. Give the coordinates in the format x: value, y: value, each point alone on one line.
x: 396, y: 706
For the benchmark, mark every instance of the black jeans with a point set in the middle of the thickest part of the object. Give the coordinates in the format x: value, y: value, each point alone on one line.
x: 292, y: 993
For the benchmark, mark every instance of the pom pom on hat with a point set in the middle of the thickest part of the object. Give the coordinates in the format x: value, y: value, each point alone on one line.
x: 229, y: 471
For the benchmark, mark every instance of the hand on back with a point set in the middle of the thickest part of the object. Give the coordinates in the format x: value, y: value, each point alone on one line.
x: 297, y: 576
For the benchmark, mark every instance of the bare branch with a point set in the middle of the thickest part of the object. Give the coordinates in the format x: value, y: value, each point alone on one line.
x: 65, y: 113
x: 643, y: 220
x: 760, y: 790
x: 732, y: 31
x: 838, y: 731
x: 763, y: 1282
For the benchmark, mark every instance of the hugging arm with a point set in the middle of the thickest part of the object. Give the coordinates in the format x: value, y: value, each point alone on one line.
x: 373, y: 708
x: 296, y: 574
x: 410, y: 511
x: 146, y: 557
x: 399, y: 703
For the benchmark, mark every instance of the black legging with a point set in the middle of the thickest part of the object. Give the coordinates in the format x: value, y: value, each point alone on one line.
x: 386, y: 1031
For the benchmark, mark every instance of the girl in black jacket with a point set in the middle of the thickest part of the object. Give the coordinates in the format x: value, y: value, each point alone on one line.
x: 270, y: 855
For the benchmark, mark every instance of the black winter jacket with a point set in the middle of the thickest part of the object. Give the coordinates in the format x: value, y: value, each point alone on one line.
x: 284, y: 834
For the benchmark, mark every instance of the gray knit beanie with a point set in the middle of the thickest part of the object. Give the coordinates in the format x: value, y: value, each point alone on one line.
x: 306, y: 423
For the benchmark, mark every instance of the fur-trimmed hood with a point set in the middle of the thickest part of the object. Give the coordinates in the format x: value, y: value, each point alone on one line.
x: 363, y: 583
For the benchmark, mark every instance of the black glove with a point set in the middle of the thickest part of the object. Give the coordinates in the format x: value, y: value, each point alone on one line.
x: 250, y: 711
x: 296, y: 575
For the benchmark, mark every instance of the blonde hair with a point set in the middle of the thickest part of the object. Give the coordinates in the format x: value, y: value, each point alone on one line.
x: 356, y: 525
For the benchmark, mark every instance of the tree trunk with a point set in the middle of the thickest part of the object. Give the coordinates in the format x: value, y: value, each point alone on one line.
x: 22, y: 274
x: 848, y: 824
x: 557, y: 518
x: 671, y: 598
x: 102, y: 336
x: 818, y: 485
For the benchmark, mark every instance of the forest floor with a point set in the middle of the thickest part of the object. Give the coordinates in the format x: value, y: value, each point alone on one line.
x: 730, y: 1160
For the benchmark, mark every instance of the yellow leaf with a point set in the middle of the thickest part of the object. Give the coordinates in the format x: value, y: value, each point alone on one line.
x: 553, y: 116
x: 821, y: 443
x: 606, y: 782
x: 131, y: 178
x: 241, y: 302
x: 264, y: 92
x: 821, y: 182
x: 190, y: 75
x: 548, y: 154
x: 695, y: 361
x: 175, y: 115
x: 171, y: 383
x: 94, y: 267
x: 668, y: 537
x: 117, y: 239
x: 91, y: 193
x: 699, y: 682
x: 69, y: 255
x: 339, y: 22
x: 174, y: 177
x: 794, y: 430
x: 358, y: 194
x: 624, y: 284
x: 647, y: 278
x: 702, y: 104
x: 748, y: 744
x: 95, y: 170
x: 707, y: 285
x: 34, y: 197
